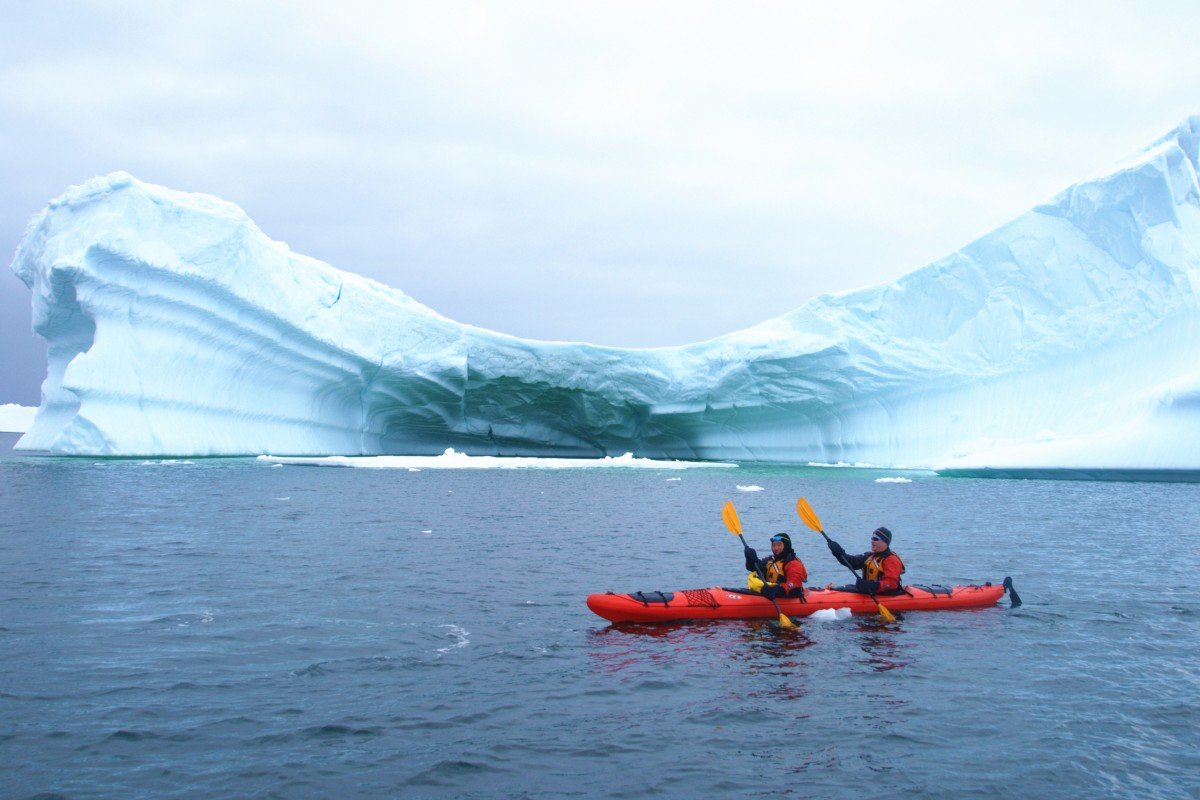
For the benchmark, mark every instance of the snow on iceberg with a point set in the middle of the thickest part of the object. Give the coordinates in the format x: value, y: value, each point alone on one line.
x: 176, y: 327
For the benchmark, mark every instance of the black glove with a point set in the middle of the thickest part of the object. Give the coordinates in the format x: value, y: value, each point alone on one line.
x: 751, y: 558
x: 870, y: 587
x: 770, y: 592
x: 838, y: 551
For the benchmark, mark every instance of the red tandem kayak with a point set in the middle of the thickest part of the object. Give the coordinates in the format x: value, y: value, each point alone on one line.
x: 719, y: 603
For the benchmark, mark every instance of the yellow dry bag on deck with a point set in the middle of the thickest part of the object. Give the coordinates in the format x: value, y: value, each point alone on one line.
x: 755, y: 583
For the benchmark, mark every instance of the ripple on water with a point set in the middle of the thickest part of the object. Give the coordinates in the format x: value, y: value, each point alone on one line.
x: 450, y: 772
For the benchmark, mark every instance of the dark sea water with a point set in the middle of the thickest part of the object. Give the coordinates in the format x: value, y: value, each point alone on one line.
x: 224, y: 628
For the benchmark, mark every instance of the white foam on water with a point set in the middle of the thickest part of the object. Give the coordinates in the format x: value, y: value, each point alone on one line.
x: 460, y: 636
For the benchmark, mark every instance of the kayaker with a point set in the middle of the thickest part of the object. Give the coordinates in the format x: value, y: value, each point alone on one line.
x: 783, y: 569
x: 881, y: 567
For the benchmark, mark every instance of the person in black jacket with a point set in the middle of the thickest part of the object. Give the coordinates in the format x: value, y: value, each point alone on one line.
x: 783, y: 570
x: 881, y: 567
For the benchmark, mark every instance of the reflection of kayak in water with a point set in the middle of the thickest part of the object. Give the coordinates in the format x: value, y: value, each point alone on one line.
x: 719, y: 603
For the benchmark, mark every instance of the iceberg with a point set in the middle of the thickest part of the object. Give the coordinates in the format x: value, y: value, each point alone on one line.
x: 1067, y: 338
x: 16, y: 418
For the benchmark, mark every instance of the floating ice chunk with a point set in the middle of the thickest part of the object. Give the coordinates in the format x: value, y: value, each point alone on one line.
x: 673, y: 479
x: 829, y: 614
x: 751, y: 488
x: 841, y: 465
x: 893, y: 480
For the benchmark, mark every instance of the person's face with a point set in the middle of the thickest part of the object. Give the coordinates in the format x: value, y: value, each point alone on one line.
x: 878, y: 545
x: 777, y: 548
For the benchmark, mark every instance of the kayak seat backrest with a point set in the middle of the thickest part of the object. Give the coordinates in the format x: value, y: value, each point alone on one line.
x: 646, y: 598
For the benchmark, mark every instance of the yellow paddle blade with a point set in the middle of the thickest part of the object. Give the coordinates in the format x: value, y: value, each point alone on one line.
x: 730, y: 518
x: 884, y: 613
x: 808, y: 515
x: 784, y: 622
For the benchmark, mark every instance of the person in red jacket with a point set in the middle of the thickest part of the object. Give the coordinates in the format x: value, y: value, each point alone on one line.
x: 783, y: 568
x: 881, y: 567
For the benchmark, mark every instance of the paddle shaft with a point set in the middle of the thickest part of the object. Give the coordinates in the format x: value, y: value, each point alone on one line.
x: 757, y: 566
x: 811, y: 520
x: 854, y: 572
x: 762, y: 577
x: 730, y: 518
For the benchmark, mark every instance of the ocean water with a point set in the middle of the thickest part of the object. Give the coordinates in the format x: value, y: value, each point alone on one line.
x: 225, y: 628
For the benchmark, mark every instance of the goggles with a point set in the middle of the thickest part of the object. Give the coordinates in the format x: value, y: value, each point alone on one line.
x: 778, y: 539
x: 878, y: 539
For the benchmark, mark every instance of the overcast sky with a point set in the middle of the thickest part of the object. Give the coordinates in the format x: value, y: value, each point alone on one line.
x: 633, y: 174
